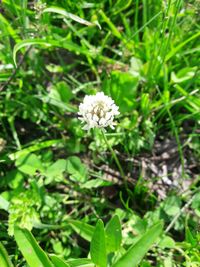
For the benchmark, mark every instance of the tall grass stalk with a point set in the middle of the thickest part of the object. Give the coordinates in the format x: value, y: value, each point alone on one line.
x: 116, y: 159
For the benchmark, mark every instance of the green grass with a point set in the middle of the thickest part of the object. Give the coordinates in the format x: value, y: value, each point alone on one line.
x: 145, y: 55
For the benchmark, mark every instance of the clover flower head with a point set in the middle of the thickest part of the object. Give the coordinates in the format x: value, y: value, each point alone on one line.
x: 97, y: 111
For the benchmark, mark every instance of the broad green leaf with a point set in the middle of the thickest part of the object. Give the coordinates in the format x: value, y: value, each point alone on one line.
x: 64, y: 92
x: 122, y: 87
x: 83, y: 229
x: 166, y: 242
x: 136, y: 253
x: 76, y: 169
x: 113, y: 234
x: 4, y: 258
x: 190, y: 238
x: 172, y: 205
x: 55, y: 171
x: 68, y: 15
x: 13, y: 178
x: 98, y: 245
x: 81, y: 263
x: 58, y: 262
x: 29, y: 164
x: 31, y: 251
x: 60, y: 96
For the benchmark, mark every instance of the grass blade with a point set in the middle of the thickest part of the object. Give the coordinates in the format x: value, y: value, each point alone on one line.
x: 180, y: 46
x: 4, y: 258
x: 68, y: 15
x: 31, y: 251
x: 58, y: 262
x: 66, y: 44
x: 113, y: 234
x: 98, y: 246
x: 83, y: 229
x: 81, y: 263
x: 135, y: 254
x: 33, y: 148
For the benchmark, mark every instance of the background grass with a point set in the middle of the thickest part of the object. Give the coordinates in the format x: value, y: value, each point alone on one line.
x: 145, y: 55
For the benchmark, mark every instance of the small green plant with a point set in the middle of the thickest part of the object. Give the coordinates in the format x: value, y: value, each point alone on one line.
x: 105, y: 247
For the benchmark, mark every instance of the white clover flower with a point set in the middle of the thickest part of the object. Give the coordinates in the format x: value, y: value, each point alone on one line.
x: 97, y: 111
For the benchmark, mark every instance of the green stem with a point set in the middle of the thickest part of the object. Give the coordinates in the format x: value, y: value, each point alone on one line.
x: 115, y: 158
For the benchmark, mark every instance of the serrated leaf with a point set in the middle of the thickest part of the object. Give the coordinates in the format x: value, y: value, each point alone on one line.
x: 30, y: 249
x: 98, y: 245
x: 113, y: 234
x: 136, y: 253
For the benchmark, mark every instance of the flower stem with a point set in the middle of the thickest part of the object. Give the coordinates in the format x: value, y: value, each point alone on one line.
x: 116, y: 159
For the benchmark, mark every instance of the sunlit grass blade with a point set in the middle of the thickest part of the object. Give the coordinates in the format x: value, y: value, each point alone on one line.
x: 12, y: 32
x: 66, y: 44
x: 181, y: 45
x: 33, y: 148
x: 4, y: 258
x: 113, y: 234
x: 68, y: 15
x: 81, y: 263
x: 58, y: 262
x: 83, y: 229
x: 136, y: 253
x: 98, y: 245
x: 30, y: 249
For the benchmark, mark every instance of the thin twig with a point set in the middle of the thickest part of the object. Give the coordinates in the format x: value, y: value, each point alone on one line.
x: 179, y: 214
x: 116, y: 160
